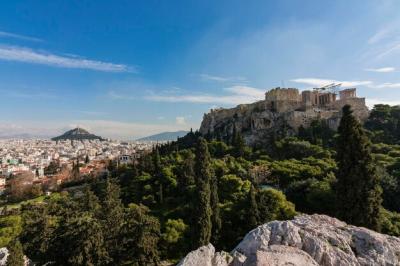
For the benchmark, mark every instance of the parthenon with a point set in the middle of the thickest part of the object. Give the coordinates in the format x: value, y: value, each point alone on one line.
x: 286, y: 106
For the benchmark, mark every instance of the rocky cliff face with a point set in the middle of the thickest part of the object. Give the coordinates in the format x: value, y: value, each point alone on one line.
x: 257, y: 120
x: 303, y: 241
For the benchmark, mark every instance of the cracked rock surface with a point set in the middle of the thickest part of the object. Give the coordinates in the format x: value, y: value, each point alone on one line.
x: 305, y: 240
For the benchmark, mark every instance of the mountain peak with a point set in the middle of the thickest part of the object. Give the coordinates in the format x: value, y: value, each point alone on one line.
x: 77, y: 134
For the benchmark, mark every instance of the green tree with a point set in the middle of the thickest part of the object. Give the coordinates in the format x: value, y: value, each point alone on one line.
x: 111, y: 216
x: 141, y: 233
x: 357, y: 189
x: 173, y: 238
x: 90, y: 202
x: 38, y: 227
x: 81, y: 241
x: 158, y: 174
x: 87, y: 160
x: 216, y: 216
x: 16, y: 254
x: 272, y: 205
x: 202, y: 225
x: 253, y: 212
x: 239, y: 145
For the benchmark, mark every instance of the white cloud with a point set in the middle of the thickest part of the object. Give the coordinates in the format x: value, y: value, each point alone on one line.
x: 118, y: 96
x: 222, y: 79
x: 316, y: 82
x: 180, y: 120
x: 238, y: 95
x: 381, y: 70
x: 18, y: 36
x: 26, y: 55
x: 371, y: 102
x: 380, y: 35
x: 387, y: 85
x: 391, y: 48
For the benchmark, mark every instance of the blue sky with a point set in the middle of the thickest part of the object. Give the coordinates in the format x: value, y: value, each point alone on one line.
x: 126, y: 69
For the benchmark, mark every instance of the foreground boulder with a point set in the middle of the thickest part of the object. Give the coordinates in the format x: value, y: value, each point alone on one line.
x: 305, y: 240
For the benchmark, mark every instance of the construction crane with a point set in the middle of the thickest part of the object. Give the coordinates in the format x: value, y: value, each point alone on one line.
x: 332, y: 88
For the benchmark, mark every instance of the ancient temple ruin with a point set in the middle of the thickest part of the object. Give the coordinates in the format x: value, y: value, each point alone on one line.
x: 284, y: 106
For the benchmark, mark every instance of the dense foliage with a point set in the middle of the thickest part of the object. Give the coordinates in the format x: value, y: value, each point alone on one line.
x: 199, y: 190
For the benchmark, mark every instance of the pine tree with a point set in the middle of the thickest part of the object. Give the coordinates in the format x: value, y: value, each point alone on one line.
x: 16, y: 254
x: 357, y: 189
x: 87, y: 160
x: 202, y: 210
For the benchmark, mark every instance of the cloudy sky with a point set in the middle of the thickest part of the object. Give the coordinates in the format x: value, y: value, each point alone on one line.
x: 126, y: 69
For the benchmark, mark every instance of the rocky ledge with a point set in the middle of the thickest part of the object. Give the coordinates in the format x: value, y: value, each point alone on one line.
x: 306, y: 240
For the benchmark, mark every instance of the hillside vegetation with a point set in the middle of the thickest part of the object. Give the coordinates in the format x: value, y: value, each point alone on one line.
x: 200, y: 190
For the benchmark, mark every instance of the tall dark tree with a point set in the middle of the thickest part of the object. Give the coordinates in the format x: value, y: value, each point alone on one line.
x: 36, y: 233
x: 89, y: 202
x: 357, y: 189
x: 186, y: 175
x: 216, y: 215
x: 111, y: 216
x: 87, y: 160
x: 16, y: 254
x: 81, y: 241
x: 239, y: 144
x: 253, y: 212
x: 202, y: 225
x: 141, y: 233
x: 158, y: 174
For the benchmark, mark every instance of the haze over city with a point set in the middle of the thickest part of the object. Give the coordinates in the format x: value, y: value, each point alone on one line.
x: 130, y: 69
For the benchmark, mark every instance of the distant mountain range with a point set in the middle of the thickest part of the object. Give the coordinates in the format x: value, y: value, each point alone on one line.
x: 77, y: 134
x: 165, y: 136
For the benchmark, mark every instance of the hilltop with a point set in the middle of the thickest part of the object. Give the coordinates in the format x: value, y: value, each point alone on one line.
x: 77, y: 134
x: 165, y: 136
x: 283, y: 110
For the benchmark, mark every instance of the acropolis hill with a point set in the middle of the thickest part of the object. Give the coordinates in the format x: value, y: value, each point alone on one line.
x: 283, y: 107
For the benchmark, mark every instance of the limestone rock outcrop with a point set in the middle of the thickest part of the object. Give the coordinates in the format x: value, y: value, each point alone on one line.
x: 3, y: 256
x: 305, y: 240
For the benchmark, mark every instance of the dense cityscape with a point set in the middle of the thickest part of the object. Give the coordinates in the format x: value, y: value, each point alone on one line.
x: 32, y: 159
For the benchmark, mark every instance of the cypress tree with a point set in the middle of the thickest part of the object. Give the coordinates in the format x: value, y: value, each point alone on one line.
x: 216, y: 216
x: 16, y: 254
x: 202, y: 210
x: 357, y: 189
x: 158, y: 174
x: 253, y: 212
x: 239, y: 145
x: 111, y: 216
